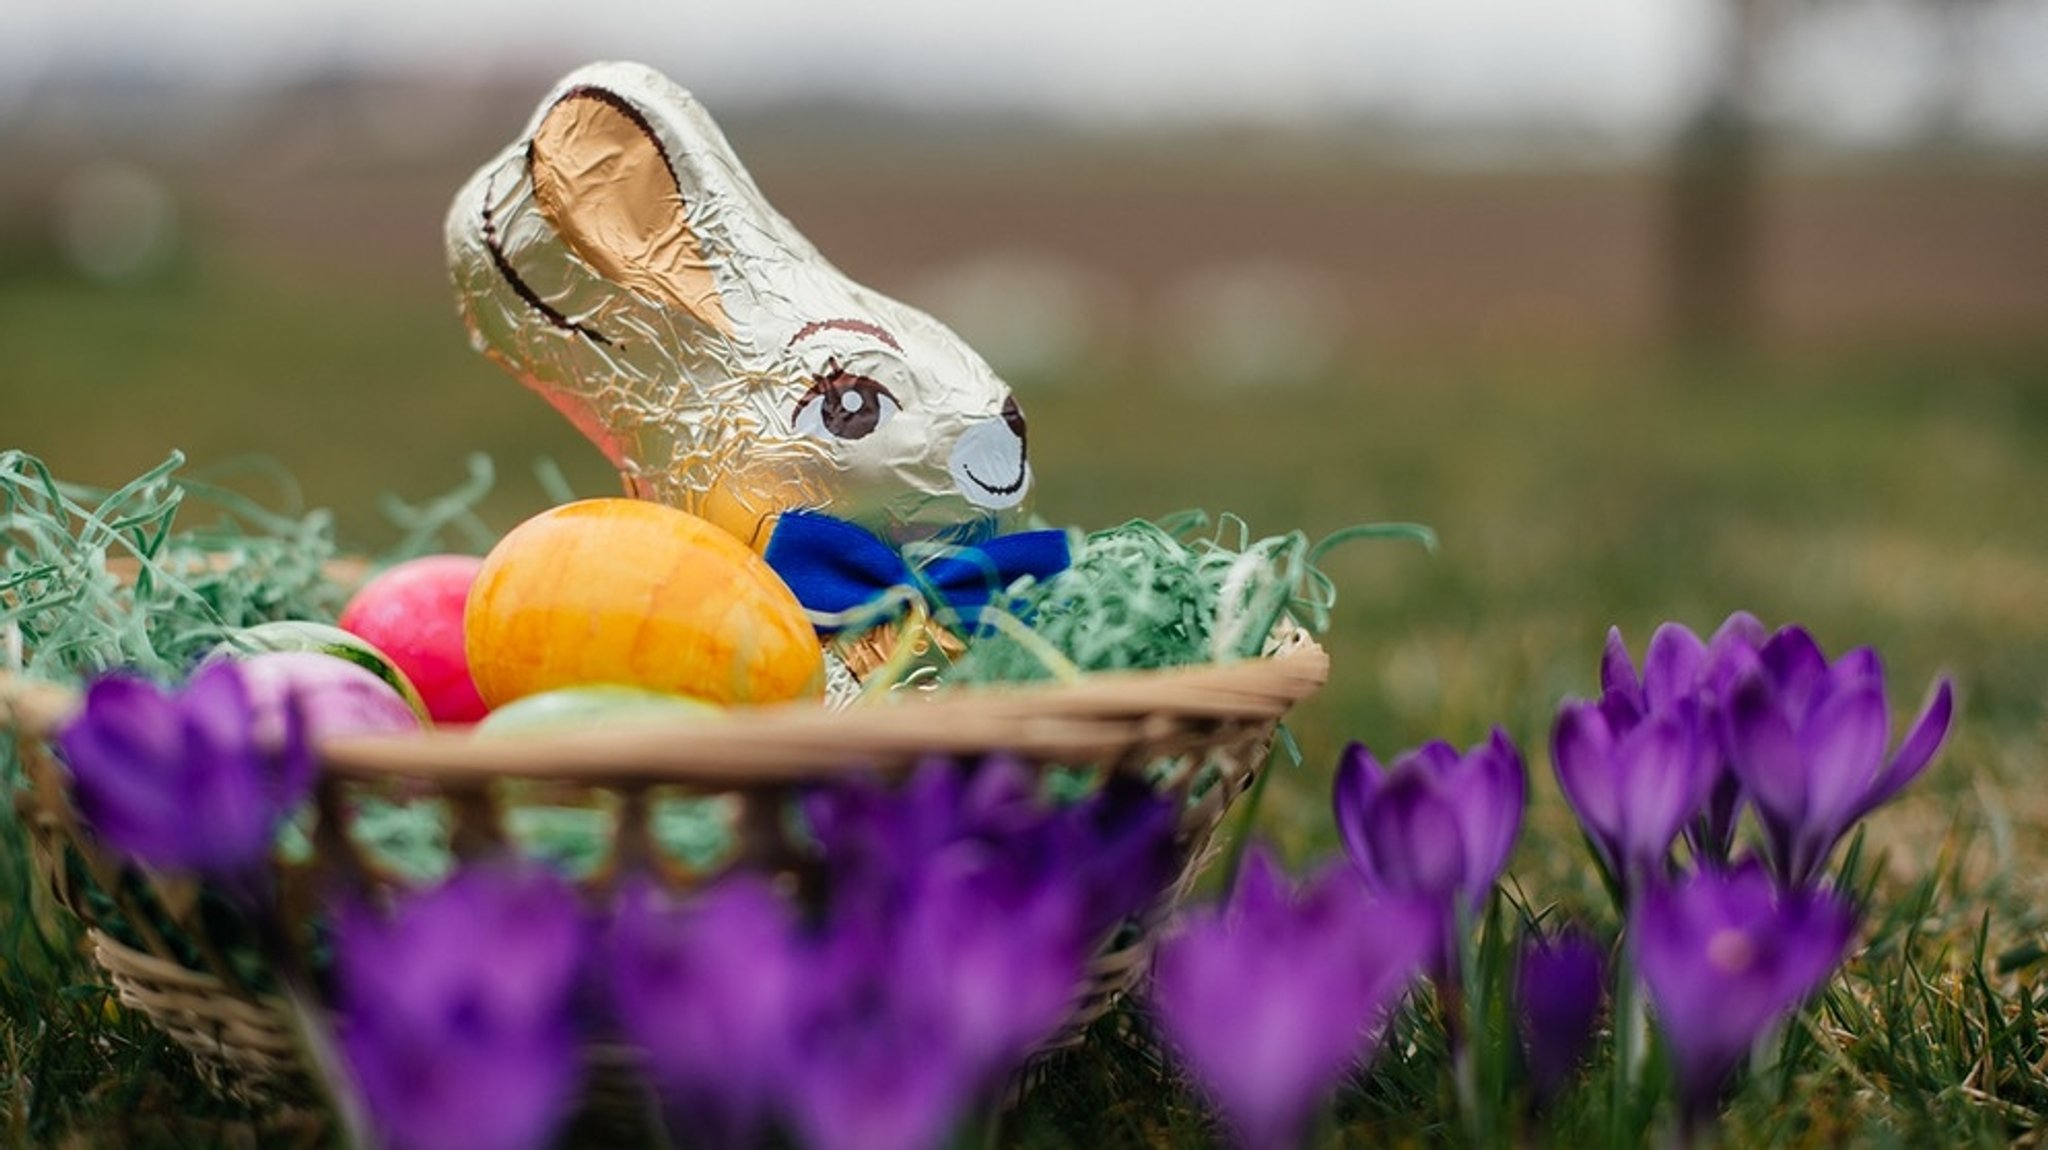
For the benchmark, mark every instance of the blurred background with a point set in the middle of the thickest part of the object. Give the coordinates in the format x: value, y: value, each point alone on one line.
x: 1652, y: 308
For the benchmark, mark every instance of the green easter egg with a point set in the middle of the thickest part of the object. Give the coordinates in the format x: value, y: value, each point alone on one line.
x: 580, y: 708
x: 299, y: 635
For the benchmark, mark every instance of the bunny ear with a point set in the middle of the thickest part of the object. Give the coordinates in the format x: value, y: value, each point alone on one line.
x: 602, y: 177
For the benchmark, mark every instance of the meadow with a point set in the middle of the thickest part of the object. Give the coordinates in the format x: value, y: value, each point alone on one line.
x: 1882, y: 490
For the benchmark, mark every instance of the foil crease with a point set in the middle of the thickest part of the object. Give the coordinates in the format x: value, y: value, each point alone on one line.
x: 618, y: 260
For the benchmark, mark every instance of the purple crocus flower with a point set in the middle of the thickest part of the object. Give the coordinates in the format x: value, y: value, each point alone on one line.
x: 707, y: 990
x: 958, y: 918
x: 868, y: 828
x: 176, y: 780
x: 1725, y: 955
x: 962, y: 913
x: 456, y: 1011
x: 1559, y: 985
x: 877, y: 1062
x: 1679, y: 672
x: 1004, y: 964
x: 1119, y: 850
x: 1633, y: 782
x: 1438, y: 825
x: 1115, y: 848
x: 1271, y: 999
x: 1808, y: 740
x: 1677, y: 665
x: 875, y: 1077
x: 907, y: 1020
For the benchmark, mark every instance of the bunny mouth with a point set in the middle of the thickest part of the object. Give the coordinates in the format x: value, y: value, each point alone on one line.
x: 991, y: 448
x: 1023, y: 477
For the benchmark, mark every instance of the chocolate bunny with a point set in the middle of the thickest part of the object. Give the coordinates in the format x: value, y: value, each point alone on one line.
x: 619, y: 260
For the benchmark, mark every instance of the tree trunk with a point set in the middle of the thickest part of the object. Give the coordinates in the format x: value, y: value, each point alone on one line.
x: 1712, y: 225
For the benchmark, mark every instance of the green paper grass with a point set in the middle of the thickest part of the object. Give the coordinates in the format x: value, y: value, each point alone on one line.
x: 66, y: 615
x: 1173, y: 593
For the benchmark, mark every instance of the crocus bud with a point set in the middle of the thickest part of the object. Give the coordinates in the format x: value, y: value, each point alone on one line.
x: 1559, y: 985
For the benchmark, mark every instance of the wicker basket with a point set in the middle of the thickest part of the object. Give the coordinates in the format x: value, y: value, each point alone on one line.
x: 1201, y: 733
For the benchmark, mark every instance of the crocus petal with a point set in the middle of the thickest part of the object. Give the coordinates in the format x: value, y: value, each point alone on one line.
x: 1842, y: 746
x: 232, y: 801
x: 294, y: 763
x: 1739, y: 629
x: 1000, y: 797
x: 123, y: 749
x: 1922, y: 740
x: 1796, y: 666
x: 1672, y: 665
x: 1617, y: 673
x: 232, y: 815
x: 705, y: 989
x: 465, y: 1095
x: 1861, y: 663
x: 540, y: 935
x: 1414, y: 839
x: 1268, y: 1010
x: 1621, y: 712
x: 1582, y: 752
x: 1262, y: 887
x: 1003, y: 977
x: 932, y: 800
x: 1272, y: 1053
x: 1120, y: 848
x: 1764, y: 751
x: 1731, y: 654
x: 878, y: 1088
x: 488, y: 1059
x: 1490, y: 788
x: 125, y: 717
x: 1396, y: 938
x: 1819, y: 928
x: 839, y: 815
x: 1357, y: 783
x: 426, y: 952
x: 216, y: 702
x: 1435, y: 757
x: 1661, y: 781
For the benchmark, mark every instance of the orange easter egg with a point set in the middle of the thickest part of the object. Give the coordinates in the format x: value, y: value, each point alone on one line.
x: 628, y: 592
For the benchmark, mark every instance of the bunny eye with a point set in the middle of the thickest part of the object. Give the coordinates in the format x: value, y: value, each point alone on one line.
x: 843, y: 405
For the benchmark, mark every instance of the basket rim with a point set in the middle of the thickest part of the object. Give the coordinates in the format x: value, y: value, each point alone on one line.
x: 1088, y: 718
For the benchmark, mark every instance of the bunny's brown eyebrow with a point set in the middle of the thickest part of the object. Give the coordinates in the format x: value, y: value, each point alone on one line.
x: 855, y: 325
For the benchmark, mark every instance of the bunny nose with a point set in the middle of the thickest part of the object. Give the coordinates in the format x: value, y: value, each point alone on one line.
x: 1013, y: 416
x: 988, y: 462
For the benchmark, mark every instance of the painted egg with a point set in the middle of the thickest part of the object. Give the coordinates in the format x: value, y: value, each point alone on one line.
x: 336, y: 697
x: 300, y: 635
x: 581, y: 708
x: 413, y: 613
x: 632, y: 593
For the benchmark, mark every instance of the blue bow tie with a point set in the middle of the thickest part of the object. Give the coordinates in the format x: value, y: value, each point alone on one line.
x: 836, y: 567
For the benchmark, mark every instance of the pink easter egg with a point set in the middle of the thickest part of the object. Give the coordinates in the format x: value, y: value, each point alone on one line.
x: 413, y: 613
x: 336, y: 698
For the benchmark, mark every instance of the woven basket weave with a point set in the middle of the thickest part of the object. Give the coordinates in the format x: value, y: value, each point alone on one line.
x: 1200, y: 733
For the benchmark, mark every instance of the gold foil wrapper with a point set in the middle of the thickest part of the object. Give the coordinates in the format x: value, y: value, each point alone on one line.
x: 619, y: 260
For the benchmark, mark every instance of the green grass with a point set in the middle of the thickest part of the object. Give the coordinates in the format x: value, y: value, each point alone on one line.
x: 1883, y: 495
